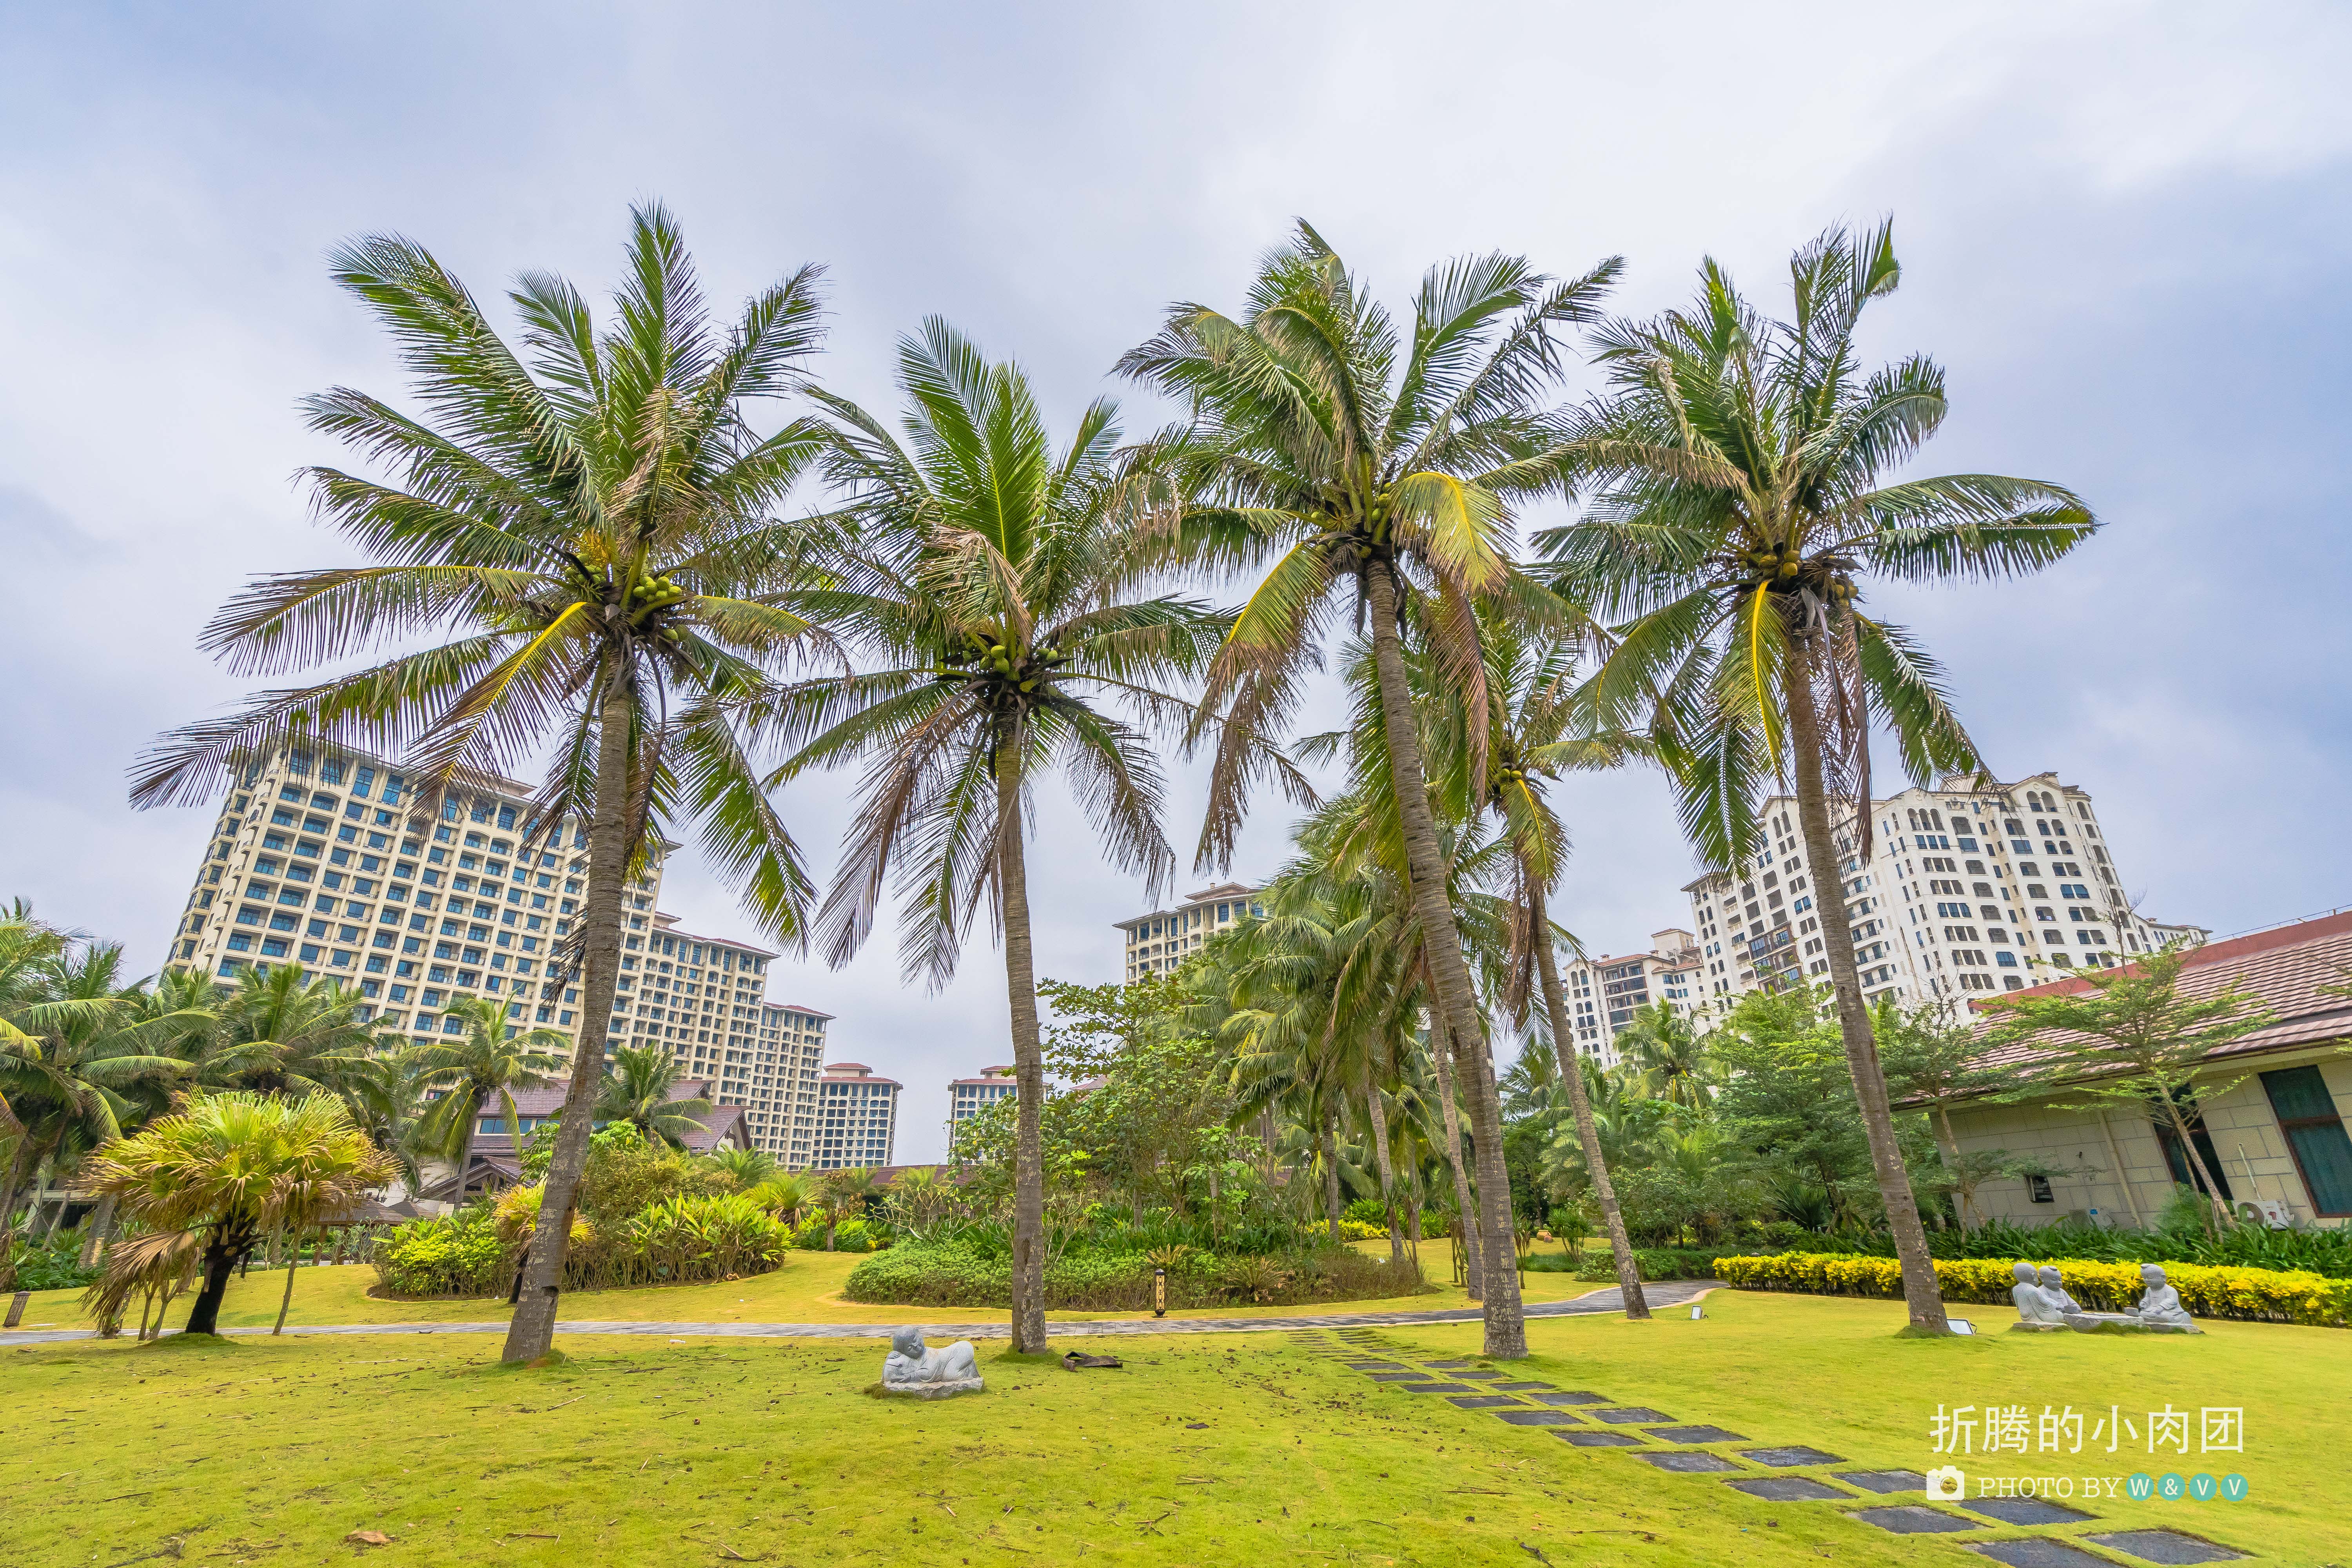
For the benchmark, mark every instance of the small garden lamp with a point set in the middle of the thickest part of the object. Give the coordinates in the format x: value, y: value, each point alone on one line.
x: 1160, y: 1292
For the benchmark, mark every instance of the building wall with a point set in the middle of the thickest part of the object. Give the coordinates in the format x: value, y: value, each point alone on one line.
x: 1603, y: 994
x: 2255, y: 1160
x: 796, y: 1036
x: 1966, y: 892
x: 857, y: 1120
x: 1158, y: 942
x: 968, y: 1097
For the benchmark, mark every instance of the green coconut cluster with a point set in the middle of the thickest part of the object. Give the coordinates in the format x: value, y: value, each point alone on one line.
x: 982, y: 656
x: 650, y: 593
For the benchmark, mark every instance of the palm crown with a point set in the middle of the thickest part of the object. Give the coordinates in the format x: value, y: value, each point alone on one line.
x: 1738, y: 501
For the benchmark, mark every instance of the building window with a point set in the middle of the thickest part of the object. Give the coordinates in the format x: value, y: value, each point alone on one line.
x: 2315, y: 1135
x: 2037, y: 1188
x: 2183, y: 1173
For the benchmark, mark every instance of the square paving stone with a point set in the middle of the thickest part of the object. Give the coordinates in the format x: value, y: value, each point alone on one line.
x: 1399, y: 1377
x: 1486, y: 1402
x: 1799, y: 1455
x: 1787, y: 1488
x: 1695, y: 1435
x: 1523, y: 1416
x: 1484, y: 1377
x: 1885, y: 1480
x: 1572, y: 1396
x: 1630, y: 1416
x: 1437, y: 1388
x: 1374, y: 1365
x: 1522, y: 1387
x: 1599, y: 1439
x: 1457, y: 1361
x: 2027, y: 1510
x: 2040, y: 1552
x: 1908, y: 1519
x: 2166, y: 1546
x: 1689, y: 1464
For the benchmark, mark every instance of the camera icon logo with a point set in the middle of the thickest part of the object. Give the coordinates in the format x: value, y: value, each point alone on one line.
x: 1946, y: 1483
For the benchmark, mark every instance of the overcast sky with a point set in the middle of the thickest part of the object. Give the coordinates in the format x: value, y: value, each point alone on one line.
x: 2124, y: 230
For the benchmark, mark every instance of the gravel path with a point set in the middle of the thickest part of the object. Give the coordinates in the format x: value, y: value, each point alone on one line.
x: 1664, y: 1294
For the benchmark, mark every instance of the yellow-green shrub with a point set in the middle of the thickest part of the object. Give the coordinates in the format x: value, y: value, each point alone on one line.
x: 2258, y: 1295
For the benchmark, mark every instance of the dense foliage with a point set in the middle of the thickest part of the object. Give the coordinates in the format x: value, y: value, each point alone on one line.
x: 954, y: 1274
x: 2260, y: 1295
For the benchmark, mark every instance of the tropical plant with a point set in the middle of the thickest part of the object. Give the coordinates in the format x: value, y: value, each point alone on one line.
x: 1357, y: 465
x: 280, y: 1029
x: 999, y: 589
x: 642, y: 1091
x: 843, y: 1195
x: 750, y: 1167
x: 487, y: 1063
x: 787, y: 1195
x: 1666, y: 1052
x: 593, y: 524
x: 1737, y: 499
x: 233, y: 1168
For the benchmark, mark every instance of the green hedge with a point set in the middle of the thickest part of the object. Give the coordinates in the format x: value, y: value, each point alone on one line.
x: 2257, y: 1295
x: 913, y: 1274
x: 1658, y: 1262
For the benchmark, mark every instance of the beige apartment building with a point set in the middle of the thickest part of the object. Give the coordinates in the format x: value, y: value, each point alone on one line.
x: 1157, y: 942
x: 858, y: 1118
x: 321, y: 857
x: 1603, y: 993
x: 1965, y: 891
x: 968, y: 1097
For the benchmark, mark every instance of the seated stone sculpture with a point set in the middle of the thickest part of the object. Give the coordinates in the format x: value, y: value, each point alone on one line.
x: 910, y: 1368
x: 2160, y: 1304
x: 2034, y: 1306
x: 2054, y: 1288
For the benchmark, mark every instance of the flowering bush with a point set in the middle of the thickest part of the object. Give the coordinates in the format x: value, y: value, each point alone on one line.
x: 2256, y: 1295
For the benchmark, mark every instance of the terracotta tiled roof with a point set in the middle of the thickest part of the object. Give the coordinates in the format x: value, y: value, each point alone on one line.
x: 2282, y: 968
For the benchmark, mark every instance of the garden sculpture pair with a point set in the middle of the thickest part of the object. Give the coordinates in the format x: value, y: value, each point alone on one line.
x: 2043, y: 1302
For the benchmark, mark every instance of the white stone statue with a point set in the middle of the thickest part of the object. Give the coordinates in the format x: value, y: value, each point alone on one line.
x: 909, y: 1368
x: 2034, y: 1306
x: 2160, y: 1304
x: 2054, y: 1290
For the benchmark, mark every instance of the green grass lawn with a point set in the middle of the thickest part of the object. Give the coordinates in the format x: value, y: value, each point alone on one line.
x: 706, y: 1452
x: 806, y: 1290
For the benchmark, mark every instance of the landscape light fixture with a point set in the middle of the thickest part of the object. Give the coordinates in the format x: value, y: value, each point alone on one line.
x: 1160, y: 1292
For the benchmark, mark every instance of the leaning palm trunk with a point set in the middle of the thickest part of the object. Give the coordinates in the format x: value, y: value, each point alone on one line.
x: 1379, y: 1120
x: 531, y: 1333
x: 102, y: 1230
x: 1921, y: 1294
x: 1330, y: 1144
x: 1588, y: 1136
x: 1028, y: 1062
x: 1466, y: 1240
x: 293, y: 1261
x: 1507, y: 1331
x: 1964, y: 1190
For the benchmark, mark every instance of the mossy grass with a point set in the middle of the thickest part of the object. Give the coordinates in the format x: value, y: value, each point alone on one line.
x: 1210, y: 1449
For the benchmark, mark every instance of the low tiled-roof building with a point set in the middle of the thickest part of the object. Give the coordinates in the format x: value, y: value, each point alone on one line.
x: 2271, y: 1122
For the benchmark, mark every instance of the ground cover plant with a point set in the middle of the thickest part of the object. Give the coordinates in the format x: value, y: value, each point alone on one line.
x: 1230, y: 1448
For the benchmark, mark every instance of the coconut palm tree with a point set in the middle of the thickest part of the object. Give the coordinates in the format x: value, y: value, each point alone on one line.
x: 487, y: 1062
x: 1361, y: 467
x: 579, y: 554
x: 1667, y: 1055
x: 1737, y: 503
x: 639, y: 1091
x: 281, y: 1030
x: 233, y: 1168
x: 1000, y: 597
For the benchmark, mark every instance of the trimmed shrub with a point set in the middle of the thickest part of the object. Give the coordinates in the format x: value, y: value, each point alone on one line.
x: 460, y: 1255
x: 913, y: 1274
x: 2255, y: 1295
x: 476, y: 1251
x: 1658, y: 1262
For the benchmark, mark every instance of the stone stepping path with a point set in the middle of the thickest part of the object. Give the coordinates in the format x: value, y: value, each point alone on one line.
x: 1538, y: 1404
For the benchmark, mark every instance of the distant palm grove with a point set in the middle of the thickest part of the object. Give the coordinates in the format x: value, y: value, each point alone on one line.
x: 643, y: 558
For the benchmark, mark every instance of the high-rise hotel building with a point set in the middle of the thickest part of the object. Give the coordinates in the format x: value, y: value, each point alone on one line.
x: 321, y: 857
x: 1157, y: 942
x: 1966, y: 891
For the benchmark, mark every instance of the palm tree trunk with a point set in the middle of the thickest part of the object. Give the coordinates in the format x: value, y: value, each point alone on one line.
x: 223, y: 1248
x: 1373, y: 1109
x: 1028, y: 1061
x: 1466, y: 1222
x: 1588, y: 1136
x: 1327, y: 1125
x: 531, y: 1333
x: 1507, y: 1329
x: 1921, y: 1295
x: 8, y: 1208
x: 293, y: 1261
x: 101, y: 1231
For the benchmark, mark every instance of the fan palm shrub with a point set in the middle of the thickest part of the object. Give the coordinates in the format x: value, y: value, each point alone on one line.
x: 1359, y: 462
x: 1739, y: 503
x: 579, y: 553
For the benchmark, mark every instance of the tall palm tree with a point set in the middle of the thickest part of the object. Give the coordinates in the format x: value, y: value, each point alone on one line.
x: 1738, y: 500
x: 1357, y: 465
x: 584, y: 536
x: 233, y: 1168
x: 281, y: 1030
x: 1529, y: 741
x: 488, y: 1062
x: 640, y: 1092
x: 1667, y: 1055
x: 1001, y: 595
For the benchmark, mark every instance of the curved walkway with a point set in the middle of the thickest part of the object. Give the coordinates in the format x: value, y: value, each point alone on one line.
x: 1662, y: 1294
